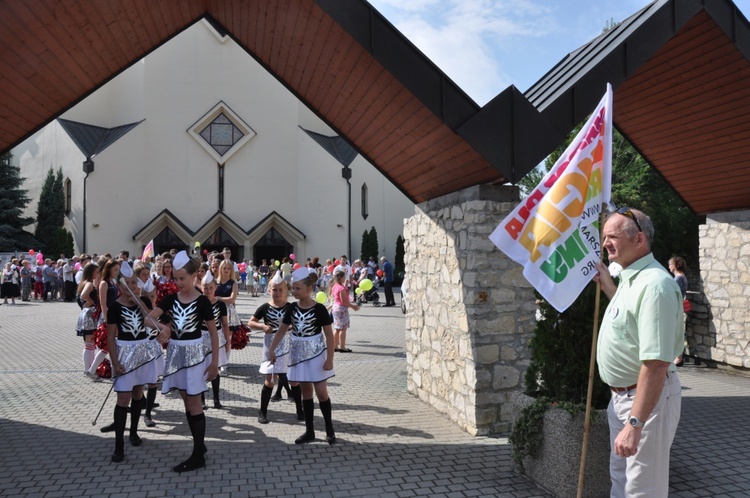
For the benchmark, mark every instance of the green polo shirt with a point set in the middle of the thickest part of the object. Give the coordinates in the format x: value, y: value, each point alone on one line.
x: 642, y: 322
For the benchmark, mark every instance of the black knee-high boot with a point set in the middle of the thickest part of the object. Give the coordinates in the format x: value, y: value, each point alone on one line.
x: 150, y: 400
x: 121, y: 419
x: 265, y: 397
x: 215, y: 387
x: 297, y: 395
x: 325, y: 409
x: 309, y: 407
x: 197, y: 459
x: 135, y: 415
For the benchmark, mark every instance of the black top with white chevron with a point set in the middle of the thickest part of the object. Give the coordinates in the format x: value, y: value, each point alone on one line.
x: 131, y: 325
x: 271, y: 315
x: 307, y: 322
x: 187, y: 318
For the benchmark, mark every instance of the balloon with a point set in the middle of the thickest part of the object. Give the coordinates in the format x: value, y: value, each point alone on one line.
x: 31, y: 252
x: 321, y: 297
x: 277, y: 263
x: 365, y: 284
x: 297, y: 266
x: 358, y: 291
x: 292, y: 257
x: 379, y: 273
x: 337, y: 262
x: 205, y: 251
x: 39, y: 259
x: 197, y: 244
x: 78, y: 266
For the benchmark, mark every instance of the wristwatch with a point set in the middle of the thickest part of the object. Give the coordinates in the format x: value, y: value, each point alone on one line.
x: 635, y: 422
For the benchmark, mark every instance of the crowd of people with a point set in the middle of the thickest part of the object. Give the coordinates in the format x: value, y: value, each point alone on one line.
x: 38, y: 278
x: 173, y: 320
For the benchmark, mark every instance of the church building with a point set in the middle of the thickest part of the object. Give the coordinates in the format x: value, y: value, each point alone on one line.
x: 199, y: 143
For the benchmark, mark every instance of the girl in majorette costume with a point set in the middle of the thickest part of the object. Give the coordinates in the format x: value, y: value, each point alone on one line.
x: 134, y: 358
x: 226, y: 291
x: 268, y: 318
x: 187, y: 364
x: 148, y: 294
x: 219, y: 310
x: 311, y: 360
x: 108, y: 292
x: 88, y: 320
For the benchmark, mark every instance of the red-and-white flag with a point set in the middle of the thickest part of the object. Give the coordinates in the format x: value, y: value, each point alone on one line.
x: 148, y: 251
x: 553, y: 233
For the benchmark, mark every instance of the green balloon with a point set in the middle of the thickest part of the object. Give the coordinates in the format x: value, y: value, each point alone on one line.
x: 277, y: 263
x: 321, y: 297
x: 365, y: 284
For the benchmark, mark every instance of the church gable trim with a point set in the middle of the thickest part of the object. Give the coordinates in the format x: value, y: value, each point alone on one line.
x: 164, y: 219
x: 220, y: 220
x: 275, y: 220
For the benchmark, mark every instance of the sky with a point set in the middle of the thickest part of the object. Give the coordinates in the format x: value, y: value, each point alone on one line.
x: 487, y: 45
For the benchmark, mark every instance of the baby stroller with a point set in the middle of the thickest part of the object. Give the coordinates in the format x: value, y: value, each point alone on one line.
x: 370, y: 296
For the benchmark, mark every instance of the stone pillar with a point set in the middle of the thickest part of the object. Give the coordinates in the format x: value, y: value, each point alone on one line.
x: 718, y: 329
x: 470, y: 311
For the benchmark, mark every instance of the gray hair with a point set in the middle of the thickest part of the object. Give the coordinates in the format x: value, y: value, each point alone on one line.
x: 631, y: 229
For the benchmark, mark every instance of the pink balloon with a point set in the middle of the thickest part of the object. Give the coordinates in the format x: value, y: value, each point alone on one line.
x: 292, y: 257
x: 78, y: 266
x: 39, y: 259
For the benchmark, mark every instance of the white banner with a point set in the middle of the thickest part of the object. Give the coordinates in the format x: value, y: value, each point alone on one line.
x: 553, y: 233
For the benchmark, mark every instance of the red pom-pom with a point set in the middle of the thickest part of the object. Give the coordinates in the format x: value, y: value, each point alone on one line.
x: 239, y: 337
x: 165, y: 289
x: 104, y: 370
x: 100, y: 337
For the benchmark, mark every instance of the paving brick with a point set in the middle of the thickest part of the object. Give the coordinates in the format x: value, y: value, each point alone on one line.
x: 390, y: 443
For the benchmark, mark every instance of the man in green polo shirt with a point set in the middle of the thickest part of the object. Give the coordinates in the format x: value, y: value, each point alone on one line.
x: 641, y: 334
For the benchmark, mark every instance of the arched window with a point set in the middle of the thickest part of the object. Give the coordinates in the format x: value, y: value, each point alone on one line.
x: 68, y: 196
x: 365, y: 213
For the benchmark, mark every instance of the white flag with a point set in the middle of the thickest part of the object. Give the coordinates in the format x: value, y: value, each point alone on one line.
x: 553, y: 233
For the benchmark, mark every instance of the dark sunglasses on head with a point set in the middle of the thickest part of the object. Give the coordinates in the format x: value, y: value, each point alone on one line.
x: 625, y: 211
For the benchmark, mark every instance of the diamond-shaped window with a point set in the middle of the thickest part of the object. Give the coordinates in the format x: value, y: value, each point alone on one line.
x: 221, y: 132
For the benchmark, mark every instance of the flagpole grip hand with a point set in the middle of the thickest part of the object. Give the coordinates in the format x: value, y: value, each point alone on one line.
x: 604, y: 279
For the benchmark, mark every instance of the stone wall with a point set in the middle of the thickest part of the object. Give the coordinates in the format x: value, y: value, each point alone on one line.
x: 470, y: 311
x: 718, y: 329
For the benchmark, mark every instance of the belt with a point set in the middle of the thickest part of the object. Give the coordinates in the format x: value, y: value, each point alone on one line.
x: 623, y: 389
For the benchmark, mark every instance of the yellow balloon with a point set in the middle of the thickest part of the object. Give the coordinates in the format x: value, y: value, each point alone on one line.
x: 277, y: 263
x: 365, y: 284
x: 321, y: 297
x: 358, y: 291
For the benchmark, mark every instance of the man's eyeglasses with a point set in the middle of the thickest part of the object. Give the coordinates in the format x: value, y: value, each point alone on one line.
x: 625, y: 211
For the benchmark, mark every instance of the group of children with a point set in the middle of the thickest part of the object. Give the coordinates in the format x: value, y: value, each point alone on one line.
x: 187, y: 323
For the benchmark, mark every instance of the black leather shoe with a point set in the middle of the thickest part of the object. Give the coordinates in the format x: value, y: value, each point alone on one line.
x: 118, y: 456
x: 192, y: 463
x: 135, y: 440
x: 262, y: 418
x: 218, y: 405
x: 276, y: 397
x: 331, y: 438
x: 305, y: 438
x: 108, y: 428
x: 300, y: 415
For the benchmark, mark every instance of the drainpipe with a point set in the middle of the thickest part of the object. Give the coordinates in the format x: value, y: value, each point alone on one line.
x: 88, y: 167
x: 346, y: 174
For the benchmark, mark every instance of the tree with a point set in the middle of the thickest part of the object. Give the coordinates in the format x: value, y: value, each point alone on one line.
x: 13, y: 200
x: 373, y: 248
x: 63, y: 244
x: 50, y: 212
x: 365, y: 247
x: 398, y: 261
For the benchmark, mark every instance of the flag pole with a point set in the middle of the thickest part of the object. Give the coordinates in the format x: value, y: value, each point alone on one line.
x: 592, y: 364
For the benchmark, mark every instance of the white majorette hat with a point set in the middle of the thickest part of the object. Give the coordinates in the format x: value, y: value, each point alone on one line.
x: 300, y: 274
x: 277, y: 279
x: 208, y: 278
x: 180, y: 260
x: 147, y: 286
x: 125, y: 270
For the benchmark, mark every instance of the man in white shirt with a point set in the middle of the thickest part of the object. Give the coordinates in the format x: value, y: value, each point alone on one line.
x: 69, y: 284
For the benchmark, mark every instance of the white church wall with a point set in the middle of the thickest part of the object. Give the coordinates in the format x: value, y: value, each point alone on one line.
x: 158, y: 165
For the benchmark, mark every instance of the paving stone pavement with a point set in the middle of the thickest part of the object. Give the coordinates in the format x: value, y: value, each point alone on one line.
x: 389, y: 442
